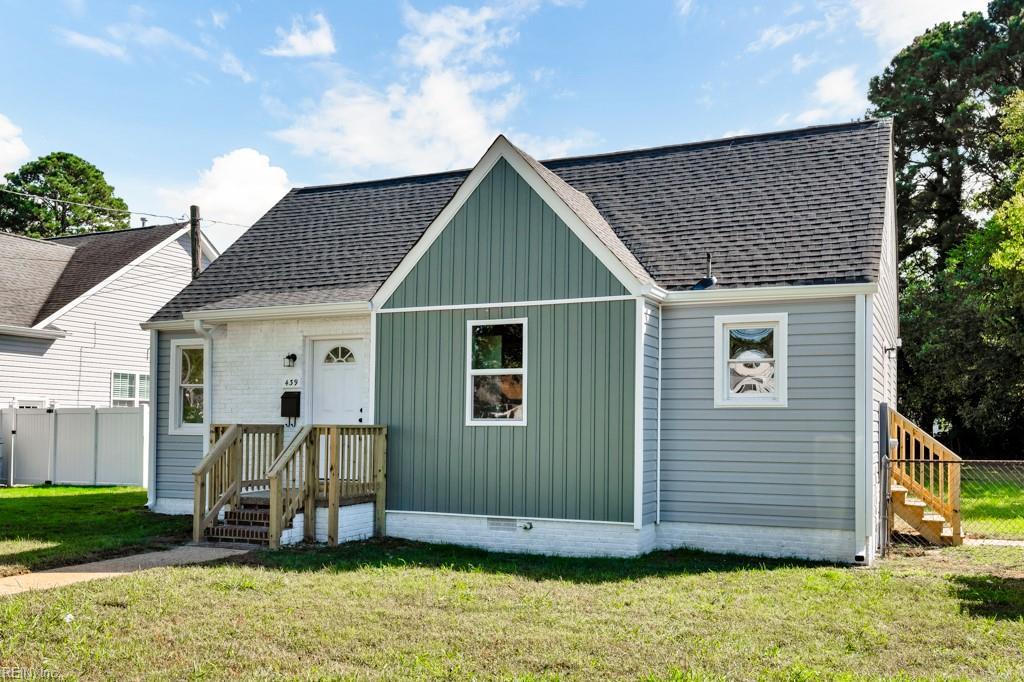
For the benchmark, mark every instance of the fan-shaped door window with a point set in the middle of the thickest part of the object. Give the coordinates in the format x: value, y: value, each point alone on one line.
x: 339, y: 355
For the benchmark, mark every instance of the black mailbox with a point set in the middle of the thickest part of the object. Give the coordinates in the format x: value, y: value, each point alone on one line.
x: 290, y: 404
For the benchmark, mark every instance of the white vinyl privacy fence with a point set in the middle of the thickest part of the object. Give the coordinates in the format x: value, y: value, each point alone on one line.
x: 80, y: 446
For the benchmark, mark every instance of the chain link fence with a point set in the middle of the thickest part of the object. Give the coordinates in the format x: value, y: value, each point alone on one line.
x: 991, y: 502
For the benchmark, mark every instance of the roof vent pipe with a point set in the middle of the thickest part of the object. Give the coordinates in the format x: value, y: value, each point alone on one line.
x: 709, y: 280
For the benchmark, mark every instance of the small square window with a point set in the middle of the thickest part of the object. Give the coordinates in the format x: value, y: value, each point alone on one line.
x: 496, y: 372
x: 750, y: 360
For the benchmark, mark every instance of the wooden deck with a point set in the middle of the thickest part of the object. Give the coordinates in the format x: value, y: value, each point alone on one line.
x: 249, y: 487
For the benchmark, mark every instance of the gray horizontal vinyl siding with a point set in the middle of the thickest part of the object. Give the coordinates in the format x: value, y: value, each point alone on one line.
x: 573, y: 459
x: 652, y: 321
x: 176, y: 456
x: 102, y: 336
x: 790, y: 467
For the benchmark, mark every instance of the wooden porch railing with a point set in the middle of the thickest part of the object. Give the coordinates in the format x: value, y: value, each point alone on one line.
x: 926, y: 468
x: 337, y: 462
x: 237, y: 462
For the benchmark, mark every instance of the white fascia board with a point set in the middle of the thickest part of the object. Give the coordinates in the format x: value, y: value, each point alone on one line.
x: 759, y: 294
x: 502, y: 149
x: 278, y: 312
x: 30, y: 332
x: 97, y: 287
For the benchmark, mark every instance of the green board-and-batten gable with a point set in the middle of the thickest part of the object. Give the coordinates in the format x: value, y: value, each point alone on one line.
x: 574, y: 458
x: 504, y: 244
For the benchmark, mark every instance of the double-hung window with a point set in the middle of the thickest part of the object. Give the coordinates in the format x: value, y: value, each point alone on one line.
x: 186, y: 388
x: 129, y: 389
x: 751, y: 360
x: 496, y: 372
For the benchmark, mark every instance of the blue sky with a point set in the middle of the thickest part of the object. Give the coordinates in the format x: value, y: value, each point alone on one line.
x: 227, y: 104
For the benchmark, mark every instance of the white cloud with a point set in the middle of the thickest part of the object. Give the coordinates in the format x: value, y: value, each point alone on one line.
x: 13, y: 150
x: 149, y: 36
x: 736, y: 133
x: 219, y: 19
x: 839, y: 94
x: 801, y: 62
x: 894, y: 24
x: 450, y: 99
x: 684, y: 7
x: 100, y: 46
x: 778, y: 35
x: 238, y: 187
x: 300, y: 42
x: 231, y: 65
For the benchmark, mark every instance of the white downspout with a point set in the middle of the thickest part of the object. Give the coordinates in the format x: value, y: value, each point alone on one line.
x: 154, y: 397
x: 207, y: 335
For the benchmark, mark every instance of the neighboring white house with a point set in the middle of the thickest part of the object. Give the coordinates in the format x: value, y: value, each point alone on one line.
x: 70, y: 310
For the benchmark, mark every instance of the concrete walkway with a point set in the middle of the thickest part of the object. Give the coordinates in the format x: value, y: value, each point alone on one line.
x: 112, y: 568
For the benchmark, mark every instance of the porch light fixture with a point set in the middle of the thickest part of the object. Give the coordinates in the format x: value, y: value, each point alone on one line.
x: 289, y: 360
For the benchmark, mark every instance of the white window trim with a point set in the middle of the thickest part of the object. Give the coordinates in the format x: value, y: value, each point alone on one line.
x: 721, y: 375
x: 137, y: 400
x: 470, y: 373
x: 174, y: 425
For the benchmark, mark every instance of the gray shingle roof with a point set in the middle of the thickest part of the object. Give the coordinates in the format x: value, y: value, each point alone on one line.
x: 796, y: 207
x: 28, y: 270
x: 97, y: 256
x: 38, y: 278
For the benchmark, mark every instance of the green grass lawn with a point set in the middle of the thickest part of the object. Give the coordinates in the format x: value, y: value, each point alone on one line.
x: 992, y: 508
x: 47, y: 526
x: 388, y: 609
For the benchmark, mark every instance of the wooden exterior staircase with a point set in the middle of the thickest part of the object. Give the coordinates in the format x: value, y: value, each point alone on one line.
x: 923, y: 482
x: 249, y: 489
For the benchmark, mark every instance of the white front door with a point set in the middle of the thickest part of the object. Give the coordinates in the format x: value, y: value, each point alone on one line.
x: 339, y: 382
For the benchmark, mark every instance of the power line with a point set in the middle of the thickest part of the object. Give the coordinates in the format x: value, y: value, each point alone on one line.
x: 179, y: 219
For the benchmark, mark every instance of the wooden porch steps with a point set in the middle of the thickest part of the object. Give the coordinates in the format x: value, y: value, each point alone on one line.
x: 248, y: 524
x: 932, y: 527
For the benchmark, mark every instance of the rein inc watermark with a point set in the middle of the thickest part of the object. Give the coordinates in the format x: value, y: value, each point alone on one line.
x: 17, y: 673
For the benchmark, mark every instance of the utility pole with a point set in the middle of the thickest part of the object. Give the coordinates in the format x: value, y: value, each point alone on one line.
x: 197, y: 251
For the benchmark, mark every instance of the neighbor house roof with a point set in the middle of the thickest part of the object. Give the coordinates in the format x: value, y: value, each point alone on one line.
x: 797, y: 207
x: 39, y: 277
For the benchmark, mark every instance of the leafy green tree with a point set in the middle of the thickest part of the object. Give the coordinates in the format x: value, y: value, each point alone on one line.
x: 963, y: 328
x: 944, y: 91
x: 56, y: 178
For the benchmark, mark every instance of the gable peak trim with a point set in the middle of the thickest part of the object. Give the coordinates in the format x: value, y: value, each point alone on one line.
x: 524, y: 165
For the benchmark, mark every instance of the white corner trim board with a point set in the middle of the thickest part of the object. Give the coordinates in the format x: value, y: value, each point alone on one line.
x: 42, y: 324
x: 638, y: 417
x: 503, y: 149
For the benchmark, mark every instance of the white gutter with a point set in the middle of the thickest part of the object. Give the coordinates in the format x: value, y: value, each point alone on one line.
x: 168, y: 325
x: 278, y: 312
x: 759, y: 294
x: 29, y: 333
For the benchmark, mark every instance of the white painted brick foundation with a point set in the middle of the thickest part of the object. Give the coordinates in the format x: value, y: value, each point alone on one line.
x: 563, y: 538
x: 800, y: 543
x: 355, y: 522
x: 582, y: 538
